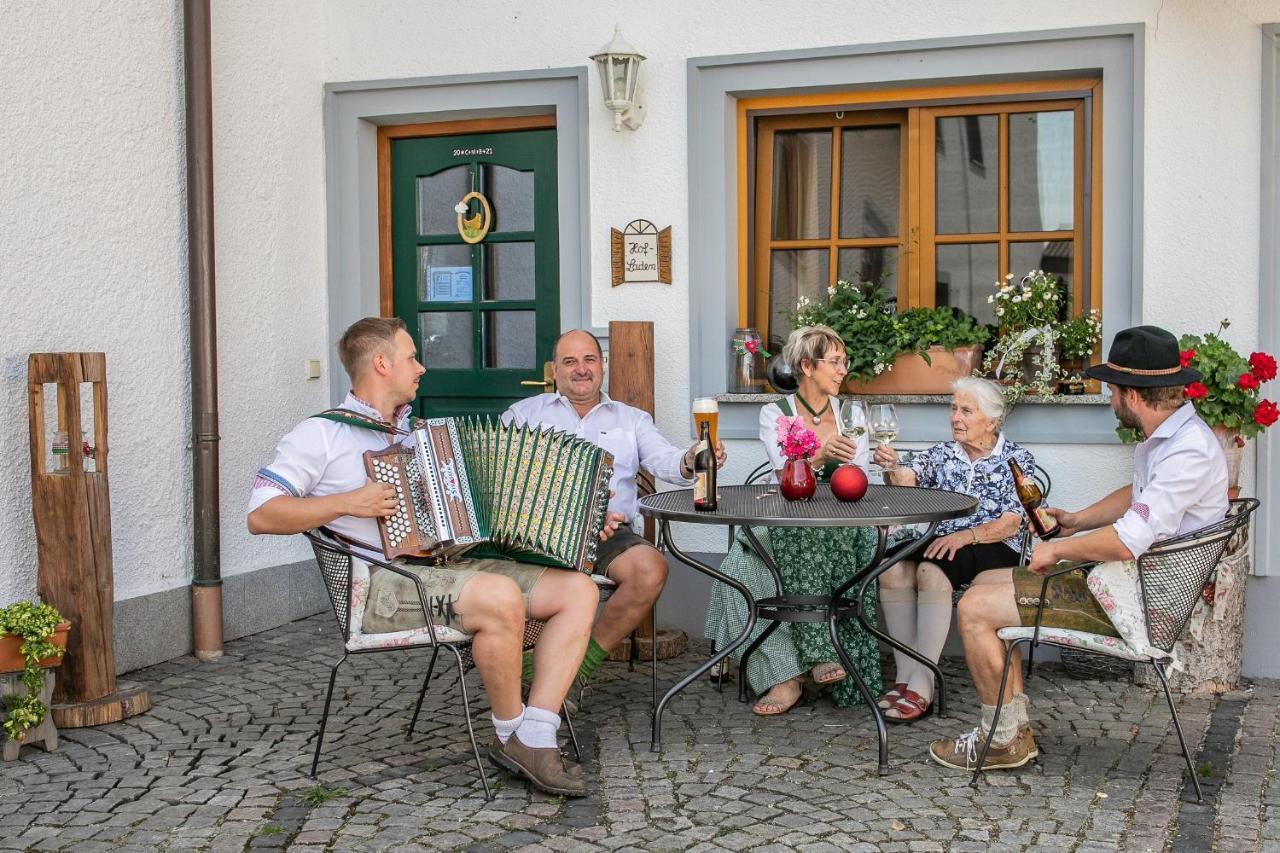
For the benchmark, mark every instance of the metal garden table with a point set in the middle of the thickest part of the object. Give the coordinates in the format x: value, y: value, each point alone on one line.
x: 762, y: 505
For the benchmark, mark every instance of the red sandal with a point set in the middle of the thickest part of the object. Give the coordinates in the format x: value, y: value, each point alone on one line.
x: 911, y: 706
x: 890, y: 697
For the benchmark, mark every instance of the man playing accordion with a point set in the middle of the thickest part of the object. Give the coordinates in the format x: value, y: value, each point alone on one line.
x: 318, y: 478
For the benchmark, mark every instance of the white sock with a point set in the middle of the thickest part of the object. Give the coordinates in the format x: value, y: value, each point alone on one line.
x: 933, y: 623
x: 538, y: 730
x: 1012, y: 715
x: 506, y: 728
x: 899, y: 605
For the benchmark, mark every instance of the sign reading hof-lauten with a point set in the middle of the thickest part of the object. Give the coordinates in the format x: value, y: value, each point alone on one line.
x: 641, y: 253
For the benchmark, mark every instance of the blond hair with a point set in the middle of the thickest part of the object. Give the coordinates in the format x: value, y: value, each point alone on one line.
x: 809, y: 343
x: 364, y: 338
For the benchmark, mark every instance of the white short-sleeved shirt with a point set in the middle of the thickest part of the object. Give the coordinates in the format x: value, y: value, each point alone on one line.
x: 624, y: 431
x: 1179, y: 482
x: 321, y: 457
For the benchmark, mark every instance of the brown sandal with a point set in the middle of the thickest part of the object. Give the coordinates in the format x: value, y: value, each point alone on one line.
x: 767, y: 707
x: 827, y: 673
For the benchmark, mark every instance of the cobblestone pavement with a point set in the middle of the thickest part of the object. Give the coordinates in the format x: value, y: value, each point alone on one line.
x: 221, y: 764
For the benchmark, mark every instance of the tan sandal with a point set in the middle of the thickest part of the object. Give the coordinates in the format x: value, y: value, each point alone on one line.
x: 827, y: 673
x: 767, y: 706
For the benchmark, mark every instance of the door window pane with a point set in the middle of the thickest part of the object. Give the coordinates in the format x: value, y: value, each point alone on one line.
x: 1042, y: 171
x: 878, y: 266
x: 870, y: 178
x: 445, y: 340
x: 509, y: 271
x: 966, y: 276
x: 510, y: 194
x: 1053, y: 257
x: 509, y: 339
x: 967, y: 166
x: 802, y: 185
x: 794, y: 273
x: 444, y: 273
x: 437, y: 194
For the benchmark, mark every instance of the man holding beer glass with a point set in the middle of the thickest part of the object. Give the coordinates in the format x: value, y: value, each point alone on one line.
x: 579, y: 406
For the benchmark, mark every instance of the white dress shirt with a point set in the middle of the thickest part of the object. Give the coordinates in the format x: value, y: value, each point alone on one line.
x: 769, y: 415
x: 321, y: 457
x: 1179, y: 482
x: 624, y: 431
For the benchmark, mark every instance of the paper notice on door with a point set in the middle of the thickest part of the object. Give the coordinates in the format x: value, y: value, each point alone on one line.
x: 448, y: 284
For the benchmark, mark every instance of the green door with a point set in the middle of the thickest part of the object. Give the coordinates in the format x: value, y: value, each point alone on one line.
x: 485, y: 315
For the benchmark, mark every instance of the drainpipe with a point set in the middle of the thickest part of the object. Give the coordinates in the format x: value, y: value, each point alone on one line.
x: 206, y: 584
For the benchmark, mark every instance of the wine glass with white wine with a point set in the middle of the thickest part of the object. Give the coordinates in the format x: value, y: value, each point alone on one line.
x: 884, y: 426
x: 853, y: 420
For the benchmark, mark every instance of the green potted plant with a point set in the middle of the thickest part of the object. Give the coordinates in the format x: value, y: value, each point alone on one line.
x: 1076, y: 339
x: 33, y: 637
x: 918, y: 351
x: 1027, y: 312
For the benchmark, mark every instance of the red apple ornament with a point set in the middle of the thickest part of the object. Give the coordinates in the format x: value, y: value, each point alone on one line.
x: 849, y: 483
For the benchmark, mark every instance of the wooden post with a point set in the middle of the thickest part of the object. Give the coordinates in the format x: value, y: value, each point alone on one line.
x: 72, y: 512
x: 631, y: 382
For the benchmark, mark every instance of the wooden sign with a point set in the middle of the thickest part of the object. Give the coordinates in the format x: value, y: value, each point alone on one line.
x: 641, y: 253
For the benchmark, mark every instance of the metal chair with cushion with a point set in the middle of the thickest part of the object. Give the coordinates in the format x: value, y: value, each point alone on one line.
x: 1171, y: 578
x: 346, y: 580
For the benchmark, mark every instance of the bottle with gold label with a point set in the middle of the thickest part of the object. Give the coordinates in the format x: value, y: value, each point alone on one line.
x: 704, y: 472
x: 1029, y: 494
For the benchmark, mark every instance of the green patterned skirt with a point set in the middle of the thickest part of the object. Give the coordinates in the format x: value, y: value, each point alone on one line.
x: 812, y: 561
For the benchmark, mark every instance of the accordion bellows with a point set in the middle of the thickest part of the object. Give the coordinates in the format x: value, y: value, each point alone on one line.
x: 476, y: 486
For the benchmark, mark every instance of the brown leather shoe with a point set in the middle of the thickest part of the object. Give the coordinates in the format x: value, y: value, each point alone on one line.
x: 962, y: 753
x: 544, y: 767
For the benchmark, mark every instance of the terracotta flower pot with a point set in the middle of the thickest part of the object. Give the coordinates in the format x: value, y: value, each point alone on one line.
x: 798, y: 482
x: 11, y: 656
x: 911, y: 375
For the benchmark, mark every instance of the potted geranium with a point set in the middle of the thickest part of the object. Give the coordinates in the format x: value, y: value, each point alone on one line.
x: 33, y: 637
x: 917, y: 351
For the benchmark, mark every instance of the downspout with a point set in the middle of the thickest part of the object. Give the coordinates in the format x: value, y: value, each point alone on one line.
x: 206, y: 583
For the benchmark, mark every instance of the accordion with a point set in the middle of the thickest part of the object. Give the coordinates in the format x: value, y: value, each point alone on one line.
x: 473, y: 485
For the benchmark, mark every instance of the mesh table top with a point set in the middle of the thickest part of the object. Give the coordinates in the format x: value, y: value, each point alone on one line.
x: 763, y: 504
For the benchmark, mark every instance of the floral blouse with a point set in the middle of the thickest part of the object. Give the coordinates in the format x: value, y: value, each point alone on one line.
x: 947, y: 466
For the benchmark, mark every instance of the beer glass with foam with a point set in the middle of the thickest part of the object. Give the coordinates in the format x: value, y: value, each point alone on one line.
x: 706, y: 410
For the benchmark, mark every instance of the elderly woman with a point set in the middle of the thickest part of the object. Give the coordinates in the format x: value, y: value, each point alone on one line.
x: 812, y: 561
x: 916, y: 596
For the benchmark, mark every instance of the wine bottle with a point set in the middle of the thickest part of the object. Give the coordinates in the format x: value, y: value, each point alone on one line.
x: 704, y: 472
x: 1029, y: 494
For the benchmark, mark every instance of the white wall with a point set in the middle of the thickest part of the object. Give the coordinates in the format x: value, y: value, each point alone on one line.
x: 91, y: 197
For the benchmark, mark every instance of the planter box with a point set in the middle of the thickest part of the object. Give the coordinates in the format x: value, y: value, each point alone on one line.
x: 912, y: 375
x: 11, y: 657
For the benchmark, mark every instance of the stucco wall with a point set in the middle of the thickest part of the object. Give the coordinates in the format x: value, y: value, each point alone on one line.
x: 91, y: 202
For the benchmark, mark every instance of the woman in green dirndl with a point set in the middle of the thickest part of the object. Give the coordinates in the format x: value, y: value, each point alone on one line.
x: 811, y: 560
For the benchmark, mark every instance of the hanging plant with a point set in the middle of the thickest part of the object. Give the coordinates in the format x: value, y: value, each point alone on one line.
x: 35, y: 625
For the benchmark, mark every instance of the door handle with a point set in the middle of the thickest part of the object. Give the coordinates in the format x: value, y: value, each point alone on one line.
x: 548, y: 381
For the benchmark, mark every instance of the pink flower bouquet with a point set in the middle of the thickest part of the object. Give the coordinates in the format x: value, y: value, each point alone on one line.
x: 795, y: 439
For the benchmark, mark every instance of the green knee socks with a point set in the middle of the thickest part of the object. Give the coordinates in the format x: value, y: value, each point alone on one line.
x: 590, y: 661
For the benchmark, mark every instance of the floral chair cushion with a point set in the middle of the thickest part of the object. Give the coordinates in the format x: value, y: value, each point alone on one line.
x: 1115, y: 586
x: 360, y: 641
x: 1111, y: 646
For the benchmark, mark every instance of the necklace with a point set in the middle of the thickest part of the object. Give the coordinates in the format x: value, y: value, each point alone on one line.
x: 816, y: 416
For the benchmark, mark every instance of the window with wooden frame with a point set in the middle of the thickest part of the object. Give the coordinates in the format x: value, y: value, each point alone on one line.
x: 936, y: 193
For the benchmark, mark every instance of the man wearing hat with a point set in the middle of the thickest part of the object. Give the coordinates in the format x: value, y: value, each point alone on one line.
x: 1179, y: 485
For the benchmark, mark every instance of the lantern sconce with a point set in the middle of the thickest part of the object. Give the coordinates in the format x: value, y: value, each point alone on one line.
x: 619, y: 66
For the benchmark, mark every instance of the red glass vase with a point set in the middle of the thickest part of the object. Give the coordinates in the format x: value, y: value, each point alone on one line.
x: 798, y: 482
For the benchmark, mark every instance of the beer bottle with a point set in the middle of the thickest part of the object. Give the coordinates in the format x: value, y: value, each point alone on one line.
x: 1044, y: 525
x: 704, y: 472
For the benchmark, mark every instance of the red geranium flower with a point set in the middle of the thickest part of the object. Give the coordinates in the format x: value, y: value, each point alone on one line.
x: 1266, y: 413
x: 1195, y: 391
x: 1247, y: 381
x: 1187, y: 355
x: 1264, y: 366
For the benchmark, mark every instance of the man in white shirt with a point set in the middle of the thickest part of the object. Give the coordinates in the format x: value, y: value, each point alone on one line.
x: 1179, y: 485
x: 318, y: 479
x: 579, y: 407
